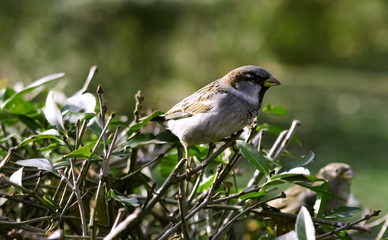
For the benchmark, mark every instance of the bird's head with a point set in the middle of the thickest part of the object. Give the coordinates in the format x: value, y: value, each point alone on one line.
x: 336, y: 171
x: 250, y: 80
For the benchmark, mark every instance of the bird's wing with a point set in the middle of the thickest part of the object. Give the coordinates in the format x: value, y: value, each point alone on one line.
x: 196, y: 103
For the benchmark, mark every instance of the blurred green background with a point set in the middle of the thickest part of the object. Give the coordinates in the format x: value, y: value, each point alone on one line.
x: 331, y: 57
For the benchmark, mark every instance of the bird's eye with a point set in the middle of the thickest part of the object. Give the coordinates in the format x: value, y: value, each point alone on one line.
x: 248, y: 76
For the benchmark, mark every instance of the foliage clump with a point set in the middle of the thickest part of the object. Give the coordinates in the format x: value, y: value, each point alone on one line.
x: 72, y: 170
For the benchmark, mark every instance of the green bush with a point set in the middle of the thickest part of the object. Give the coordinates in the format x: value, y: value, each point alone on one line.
x: 72, y: 170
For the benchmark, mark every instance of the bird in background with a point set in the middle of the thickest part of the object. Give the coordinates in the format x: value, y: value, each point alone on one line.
x: 221, y: 108
x: 339, y: 177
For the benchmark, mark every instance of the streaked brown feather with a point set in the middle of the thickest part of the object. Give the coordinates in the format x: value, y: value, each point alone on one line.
x: 195, y: 103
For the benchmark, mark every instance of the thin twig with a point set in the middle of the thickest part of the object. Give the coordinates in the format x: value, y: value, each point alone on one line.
x: 277, y: 148
x: 139, y: 99
x: 171, y: 179
x: 315, y: 220
x: 229, y: 143
x: 383, y: 229
x: 182, y: 206
x: 226, y: 227
x: 349, y: 225
x: 159, y: 157
x: 287, y: 139
x: 202, y: 205
x: 120, y: 213
x: 27, y: 191
x: 105, y: 164
x: 126, y: 224
x: 101, y: 115
x: 237, y: 195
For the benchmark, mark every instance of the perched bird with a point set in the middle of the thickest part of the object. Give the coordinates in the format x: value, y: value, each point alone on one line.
x: 221, y: 108
x: 339, y: 176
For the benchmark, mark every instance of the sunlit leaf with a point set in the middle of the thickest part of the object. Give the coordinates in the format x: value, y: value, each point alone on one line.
x: 39, y: 163
x: 124, y: 200
x: 52, y: 132
x: 92, y: 71
x: 17, y: 177
x: 85, y: 103
x: 304, y: 225
x: 52, y: 113
x: 31, y: 87
x: 254, y: 157
x: 34, y: 138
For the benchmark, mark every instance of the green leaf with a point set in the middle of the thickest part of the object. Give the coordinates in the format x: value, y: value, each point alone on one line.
x: 343, y: 235
x: 254, y: 157
x: 305, y: 160
x: 275, y: 110
x: 39, y: 163
x: 81, y: 152
x: 304, y: 225
x: 270, y: 128
x: 44, y: 135
x: 136, y: 126
x: 94, y: 125
x: 21, y: 107
x: 141, y: 140
x: 272, y: 183
x: 51, y: 147
x: 343, y: 211
x: 17, y: 177
x: 252, y: 195
x: 297, y: 177
x: 10, y: 101
x: 124, y: 200
x: 206, y: 183
x: 168, y: 164
x: 321, y: 202
x: 50, y: 202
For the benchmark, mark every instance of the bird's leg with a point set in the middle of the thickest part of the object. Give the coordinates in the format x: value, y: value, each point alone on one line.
x: 189, y: 170
x: 211, y: 148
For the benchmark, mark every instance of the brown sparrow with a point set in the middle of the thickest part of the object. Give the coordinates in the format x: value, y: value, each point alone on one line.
x: 339, y: 176
x: 221, y: 108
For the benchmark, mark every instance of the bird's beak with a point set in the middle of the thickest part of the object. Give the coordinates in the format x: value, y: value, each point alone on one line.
x: 348, y: 174
x: 271, y: 81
